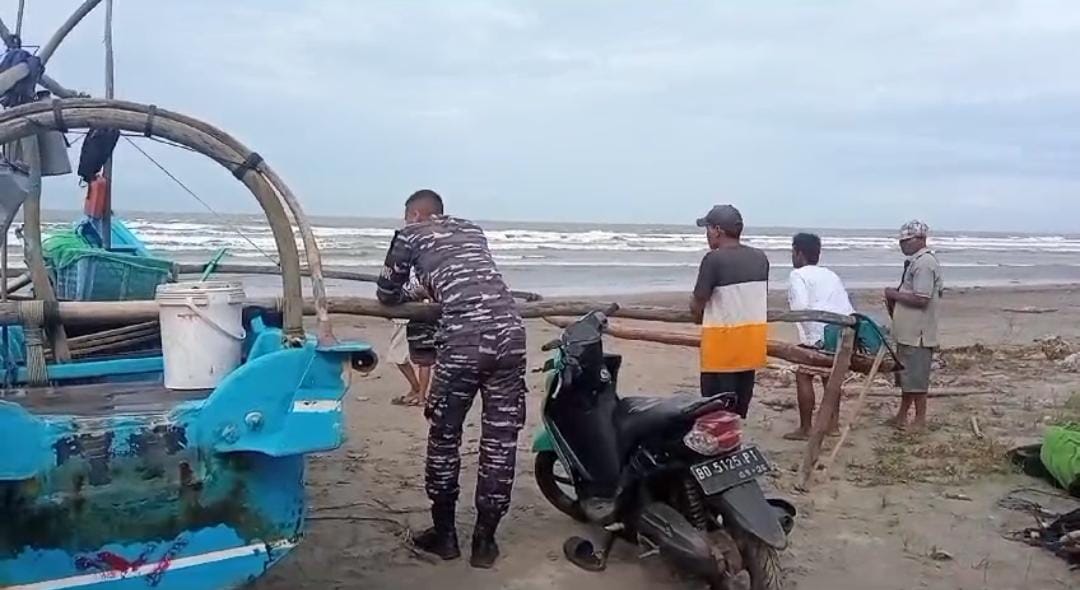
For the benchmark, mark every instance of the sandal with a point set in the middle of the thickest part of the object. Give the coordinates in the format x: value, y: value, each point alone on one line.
x: 406, y: 400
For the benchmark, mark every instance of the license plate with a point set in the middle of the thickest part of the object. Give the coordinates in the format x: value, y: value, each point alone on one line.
x: 722, y: 473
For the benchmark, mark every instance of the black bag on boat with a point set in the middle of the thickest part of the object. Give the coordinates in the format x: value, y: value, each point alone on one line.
x: 23, y: 90
x: 97, y: 148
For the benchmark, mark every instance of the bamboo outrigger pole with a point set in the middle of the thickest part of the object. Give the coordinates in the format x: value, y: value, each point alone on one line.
x: 110, y: 92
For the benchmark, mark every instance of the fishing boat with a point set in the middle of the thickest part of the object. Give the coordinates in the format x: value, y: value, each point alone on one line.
x: 175, y: 466
x: 119, y: 481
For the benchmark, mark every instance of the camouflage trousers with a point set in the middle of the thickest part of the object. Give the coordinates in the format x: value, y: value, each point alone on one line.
x: 496, y: 368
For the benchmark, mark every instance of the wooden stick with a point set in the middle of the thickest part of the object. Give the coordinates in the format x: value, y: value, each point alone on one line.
x: 110, y: 92
x: 975, y: 427
x: 34, y: 261
x: 792, y: 353
x: 828, y: 406
x: 857, y: 409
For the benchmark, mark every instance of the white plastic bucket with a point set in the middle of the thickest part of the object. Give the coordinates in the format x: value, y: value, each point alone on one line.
x: 201, y: 332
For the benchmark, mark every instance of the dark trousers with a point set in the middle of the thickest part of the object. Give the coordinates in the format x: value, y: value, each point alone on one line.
x: 738, y: 386
x: 496, y: 368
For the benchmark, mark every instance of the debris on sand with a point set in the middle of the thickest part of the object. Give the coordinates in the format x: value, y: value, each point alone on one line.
x: 1055, y: 347
x: 1030, y: 309
x: 940, y: 555
x: 1071, y: 363
x: 964, y: 358
x: 958, y: 459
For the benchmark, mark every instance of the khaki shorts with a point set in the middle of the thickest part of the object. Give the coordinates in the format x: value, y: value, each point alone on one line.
x: 398, y: 352
x: 915, y: 378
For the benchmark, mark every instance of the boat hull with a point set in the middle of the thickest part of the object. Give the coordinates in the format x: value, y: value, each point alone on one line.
x: 204, y: 493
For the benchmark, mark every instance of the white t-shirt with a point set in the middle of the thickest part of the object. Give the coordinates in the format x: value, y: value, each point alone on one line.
x: 817, y: 288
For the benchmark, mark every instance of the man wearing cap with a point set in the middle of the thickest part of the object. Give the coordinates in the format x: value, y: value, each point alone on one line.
x: 730, y: 303
x: 914, y: 311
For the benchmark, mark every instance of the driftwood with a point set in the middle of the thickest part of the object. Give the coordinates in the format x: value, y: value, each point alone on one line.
x: 792, y: 353
x: 1031, y: 310
x: 829, y: 403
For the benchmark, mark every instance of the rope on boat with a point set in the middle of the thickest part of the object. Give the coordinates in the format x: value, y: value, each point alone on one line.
x: 32, y: 316
x: 198, y: 198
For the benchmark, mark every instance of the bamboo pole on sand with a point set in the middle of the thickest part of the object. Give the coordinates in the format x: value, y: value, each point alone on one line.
x: 110, y: 93
x: 828, y: 407
x: 859, y: 403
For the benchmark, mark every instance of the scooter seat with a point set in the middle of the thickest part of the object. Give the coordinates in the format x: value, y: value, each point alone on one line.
x: 639, y: 417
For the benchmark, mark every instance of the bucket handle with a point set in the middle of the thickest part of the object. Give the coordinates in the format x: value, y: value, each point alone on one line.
x: 235, y: 336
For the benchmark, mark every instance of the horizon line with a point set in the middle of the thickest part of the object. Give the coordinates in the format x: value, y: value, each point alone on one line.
x: 481, y: 220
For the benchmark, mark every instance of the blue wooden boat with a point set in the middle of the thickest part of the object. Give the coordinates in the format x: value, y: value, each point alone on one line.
x: 108, y: 480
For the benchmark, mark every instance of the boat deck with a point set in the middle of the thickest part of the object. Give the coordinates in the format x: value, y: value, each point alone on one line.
x: 101, y: 399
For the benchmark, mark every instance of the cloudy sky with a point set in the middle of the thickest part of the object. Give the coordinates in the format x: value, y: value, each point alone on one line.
x: 803, y: 113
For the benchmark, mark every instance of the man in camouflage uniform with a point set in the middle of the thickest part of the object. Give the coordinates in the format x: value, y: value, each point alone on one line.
x: 481, y: 347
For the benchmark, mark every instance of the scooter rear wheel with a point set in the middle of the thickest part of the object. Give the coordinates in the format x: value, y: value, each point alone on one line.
x: 763, y: 563
x: 553, y: 485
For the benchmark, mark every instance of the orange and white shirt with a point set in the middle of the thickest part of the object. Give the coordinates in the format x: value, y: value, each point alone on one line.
x: 734, y: 329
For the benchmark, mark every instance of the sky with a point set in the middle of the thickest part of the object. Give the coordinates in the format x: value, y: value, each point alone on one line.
x: 811, y: 113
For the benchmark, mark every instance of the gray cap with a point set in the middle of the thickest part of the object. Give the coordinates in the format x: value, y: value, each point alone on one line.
x: 725, y: 217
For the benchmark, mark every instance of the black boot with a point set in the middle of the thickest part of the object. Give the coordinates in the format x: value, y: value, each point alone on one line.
x: 484, y: 549
x: 441, y: 539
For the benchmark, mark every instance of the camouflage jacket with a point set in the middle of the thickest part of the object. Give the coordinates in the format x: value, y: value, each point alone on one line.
x: 452, y: 260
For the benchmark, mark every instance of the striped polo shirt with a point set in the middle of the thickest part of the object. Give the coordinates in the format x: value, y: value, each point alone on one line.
x: 734, y: 328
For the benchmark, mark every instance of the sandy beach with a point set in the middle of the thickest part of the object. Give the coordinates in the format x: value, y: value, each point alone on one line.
x: 888, y: 506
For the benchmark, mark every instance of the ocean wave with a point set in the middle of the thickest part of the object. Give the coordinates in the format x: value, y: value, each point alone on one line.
x: 183, y: 234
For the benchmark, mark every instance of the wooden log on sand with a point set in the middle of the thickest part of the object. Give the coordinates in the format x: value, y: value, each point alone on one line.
x: 792, y: 353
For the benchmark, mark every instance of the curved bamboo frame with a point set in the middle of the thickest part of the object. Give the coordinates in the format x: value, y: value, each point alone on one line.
x: 73, y: 20
x: 267, y: 187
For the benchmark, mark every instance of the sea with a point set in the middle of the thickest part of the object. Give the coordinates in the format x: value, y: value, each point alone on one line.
x: 600, y: 259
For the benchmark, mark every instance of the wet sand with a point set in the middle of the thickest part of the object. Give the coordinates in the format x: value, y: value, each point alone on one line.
x: 874, y: 523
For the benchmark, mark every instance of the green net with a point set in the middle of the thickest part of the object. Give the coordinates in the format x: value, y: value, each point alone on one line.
x: 83, y: 272
x: 64, y: 248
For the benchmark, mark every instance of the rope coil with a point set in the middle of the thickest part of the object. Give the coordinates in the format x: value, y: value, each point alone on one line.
x: 32, y: 316
x: 151, y: 112
x: 58, y: 114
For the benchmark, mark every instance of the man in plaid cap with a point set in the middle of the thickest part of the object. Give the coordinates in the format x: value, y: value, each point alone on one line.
x: 914, y: 311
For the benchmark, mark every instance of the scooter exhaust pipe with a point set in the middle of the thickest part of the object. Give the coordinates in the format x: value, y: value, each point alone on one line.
x: 678, y: 542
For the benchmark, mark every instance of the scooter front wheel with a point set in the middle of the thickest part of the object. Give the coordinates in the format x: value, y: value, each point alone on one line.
x: 555, y: 484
